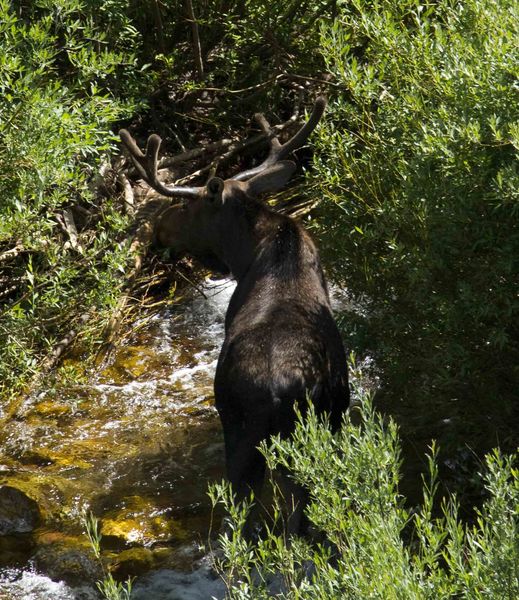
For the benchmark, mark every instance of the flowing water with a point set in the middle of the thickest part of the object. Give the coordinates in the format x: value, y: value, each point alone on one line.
x: 137, y: 445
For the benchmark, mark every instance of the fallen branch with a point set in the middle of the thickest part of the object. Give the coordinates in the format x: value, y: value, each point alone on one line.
x: 10, y: 287
x: 52, y: 359
x: 170, y: 161
x: 139, y: 248
x: 70, y: 226
x: 129, y: 198
x: 12, y: 253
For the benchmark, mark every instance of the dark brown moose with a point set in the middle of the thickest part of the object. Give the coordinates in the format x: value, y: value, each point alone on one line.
x: 281, y: 341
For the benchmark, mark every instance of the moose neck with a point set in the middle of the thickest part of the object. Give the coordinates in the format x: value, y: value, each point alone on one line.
x: 267, y: 243
x: 238, y: 246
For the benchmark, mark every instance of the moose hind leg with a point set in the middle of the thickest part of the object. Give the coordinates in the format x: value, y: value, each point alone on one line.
x: 245, y: 464
x: 295, y: 498
x: 246, y: 467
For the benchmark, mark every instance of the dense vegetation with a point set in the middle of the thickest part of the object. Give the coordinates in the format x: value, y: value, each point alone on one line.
x: 64, y: 80
x: 419, y: 158
x: 417, y: 169
x: 70, y: 72
x: 374, y: 546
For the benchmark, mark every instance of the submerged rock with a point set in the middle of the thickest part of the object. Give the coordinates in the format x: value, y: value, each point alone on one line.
x: 141, y: 521
x: 67, y: 558
x: 133, y: 562
x: 18, y: 512
x: 15, y: 550
x: 144, y: 530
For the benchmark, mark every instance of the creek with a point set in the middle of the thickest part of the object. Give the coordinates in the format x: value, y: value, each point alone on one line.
x: 137, y: 445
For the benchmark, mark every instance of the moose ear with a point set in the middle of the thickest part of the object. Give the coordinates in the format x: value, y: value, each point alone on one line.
x: 214, y: 189
x: 271, y: 179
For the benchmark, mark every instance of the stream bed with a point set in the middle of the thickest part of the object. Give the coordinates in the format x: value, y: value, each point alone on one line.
x: 136, y: 445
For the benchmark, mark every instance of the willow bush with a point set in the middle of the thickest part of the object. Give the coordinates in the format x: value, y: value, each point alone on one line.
x: 57, y: 105
x: 70, y: 72
x: 371, y: 545
x: 418, y: 163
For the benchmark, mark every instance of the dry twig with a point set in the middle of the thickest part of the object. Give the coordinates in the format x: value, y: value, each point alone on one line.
x: 129, y: 198
x: 53, y: 358
x: 12, y: 253
x: 197, y: 50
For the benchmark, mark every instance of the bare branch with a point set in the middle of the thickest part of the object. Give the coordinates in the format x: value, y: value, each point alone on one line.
x: 71, y: 228
x: 267, y: 82
x: 12, y: 253
x: 129, y: 199
x: 68, y: 225
x: 197, y: 50
x: 171, y: 161
x: 9, y: 285
x: 53, y: 358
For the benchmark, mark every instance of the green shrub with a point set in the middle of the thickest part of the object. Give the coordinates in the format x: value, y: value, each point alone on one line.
x: 70, y: 70
x: 418, y: 163
x: 371, y: 545
x: 56, y: 112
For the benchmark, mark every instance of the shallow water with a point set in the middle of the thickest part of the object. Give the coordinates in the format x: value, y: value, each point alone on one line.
x: 137, y: 445
x: 164, y: 584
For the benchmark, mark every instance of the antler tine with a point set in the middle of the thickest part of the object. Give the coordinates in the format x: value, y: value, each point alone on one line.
x: 279, y: 151
x: 267, y: 129
x: 146, y: 164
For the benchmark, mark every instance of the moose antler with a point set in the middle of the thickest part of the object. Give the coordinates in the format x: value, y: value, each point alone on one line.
x: 279, y: 151
x: 146, y: 164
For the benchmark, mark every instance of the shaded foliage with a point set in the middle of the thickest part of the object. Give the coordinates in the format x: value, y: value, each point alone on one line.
x: 371, y: 546
x: 419, y: 161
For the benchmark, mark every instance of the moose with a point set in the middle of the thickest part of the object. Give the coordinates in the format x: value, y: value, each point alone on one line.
x: 282, y: 345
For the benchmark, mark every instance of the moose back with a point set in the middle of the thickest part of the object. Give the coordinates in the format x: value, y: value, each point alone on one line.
x: 281, y: 345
